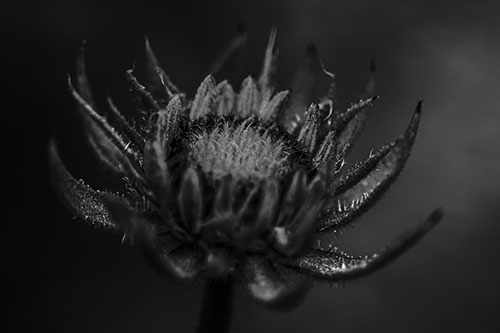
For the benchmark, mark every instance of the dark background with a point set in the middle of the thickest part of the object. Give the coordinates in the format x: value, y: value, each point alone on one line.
x: 65, y: 276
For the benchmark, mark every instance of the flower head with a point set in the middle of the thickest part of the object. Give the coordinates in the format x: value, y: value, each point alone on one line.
x: 238, y: 184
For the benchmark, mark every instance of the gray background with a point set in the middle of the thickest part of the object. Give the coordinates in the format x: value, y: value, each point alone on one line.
x: 64, y: 276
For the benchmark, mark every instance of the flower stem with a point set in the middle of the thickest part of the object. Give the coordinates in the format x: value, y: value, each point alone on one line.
x: 216, y: 311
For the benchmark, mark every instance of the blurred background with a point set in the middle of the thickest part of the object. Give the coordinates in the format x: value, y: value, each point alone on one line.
x: 65, y: 276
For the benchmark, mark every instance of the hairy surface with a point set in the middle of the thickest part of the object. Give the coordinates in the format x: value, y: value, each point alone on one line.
x: 241, y: 151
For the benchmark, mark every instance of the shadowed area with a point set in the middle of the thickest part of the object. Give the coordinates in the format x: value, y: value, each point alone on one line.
x: 64, y: 276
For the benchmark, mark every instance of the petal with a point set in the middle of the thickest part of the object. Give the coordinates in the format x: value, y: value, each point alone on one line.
x: 296, y: 236
x: 128, y: 219
x: 268, y: 67
x: 362, y: 170
x: 223, y: 202
x: 230, y: 54
x: 190, y: 199
x: 133, y: 134
x: 225, y: 99
x: 144, y: 96
x: 293, y: 198
x: 362, y: 195
x: 274, y: 285
x: 326, y: 150
x: 159, y: 82
x: 335, y: 265
x: 345, y: 117
x: 248, y: 98
x: 82, y: 78
x: 182, y: 262
x: 308, y: 133
x: 204, y: 98
x: 116, y: 159
x: 270, y: 108
x: 88, y: 204
x: 108, y: 144
x: 303, y: 87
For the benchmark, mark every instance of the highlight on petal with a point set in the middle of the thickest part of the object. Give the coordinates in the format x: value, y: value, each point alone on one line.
x: 137, y: 139
x: 273, y: 284
x: 268, y: 67
x: 225, y: 99
x: 129, y: 220
x: 357, y: 199
x: 82, y: 78
x: 86, y: 203
x: 303, y: 88
x: 190, y: 199
x: 148, y: 102
x: 159, y: 82
x: 248, y: 98
x: 270, y: 108
x: 101, y: 123
x: 334, y: 265
x: 179, y: 261
x: 204, y: 98
x: 296, y: 235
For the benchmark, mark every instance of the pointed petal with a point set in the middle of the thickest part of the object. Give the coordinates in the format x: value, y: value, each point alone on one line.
x: 297, y: 235
x: 326, y: 150
x: 133, y: 134
x: 269, y: 66
x: 167, y: 123
x: 190, y: 199
x: 350, y: 124
x: 146, y: 99
x: 371, y: 84
x: 345, y: 117
x: 128, y: 219
x: 231, y: 52
x: 361, y: 196
x: 269, y: 205
x: 361, y: 170
x: 225, y: 99
x: 270, y: 108
x: 159, y: 82
x: 101, y: 123
x: 248, y: 98
x: 303, y: 89
x: 156, y: 152
x: 88, y: 204
x: 204, y: 98
x: 274, y: 285
x: 308, y: 133
x: 292, y: 199
x: 335, y: 265
x: 82, y: 78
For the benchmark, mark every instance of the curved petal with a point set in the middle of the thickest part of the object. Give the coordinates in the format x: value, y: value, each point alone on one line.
x: 269, y: 66
x: 204, y: 98
x: 335, y: 265
x: 159, y: 82
x: 377, y: 179
x: 303, y: 87
x: 181, y: 262
x: 248, y: 100
x: 275, y: 285
x: 230, y: 53
x: 88, y: 204
x: 190, y: 199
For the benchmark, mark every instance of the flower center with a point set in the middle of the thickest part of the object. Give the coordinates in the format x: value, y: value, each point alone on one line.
x: 242, y: 151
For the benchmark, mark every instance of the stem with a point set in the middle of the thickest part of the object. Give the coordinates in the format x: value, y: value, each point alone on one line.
x: 216, y: 311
